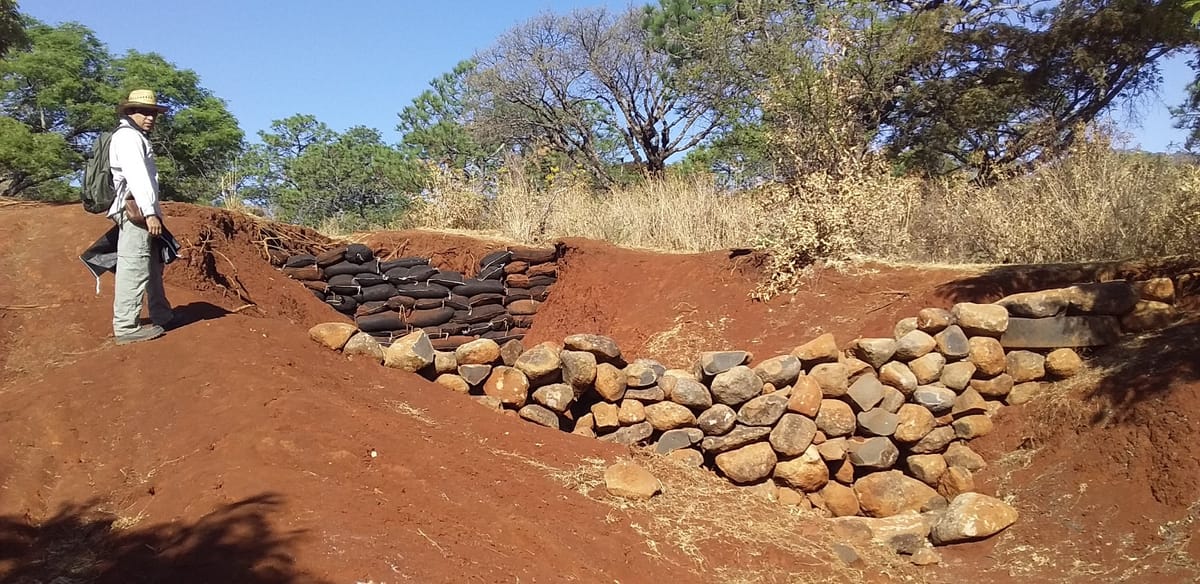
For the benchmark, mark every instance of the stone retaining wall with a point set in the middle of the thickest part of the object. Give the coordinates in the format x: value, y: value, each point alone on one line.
x: 392, y: 297
x: 878, y: 427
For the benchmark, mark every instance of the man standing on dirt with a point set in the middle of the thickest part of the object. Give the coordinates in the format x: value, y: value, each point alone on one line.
x: 137, y: 213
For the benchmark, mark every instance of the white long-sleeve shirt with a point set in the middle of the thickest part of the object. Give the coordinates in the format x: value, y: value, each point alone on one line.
x: 134, y: 171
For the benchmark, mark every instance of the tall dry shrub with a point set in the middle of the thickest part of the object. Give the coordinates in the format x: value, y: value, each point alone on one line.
x: 1096, y: 203
x: 451, y: 201
x: 862, y: 211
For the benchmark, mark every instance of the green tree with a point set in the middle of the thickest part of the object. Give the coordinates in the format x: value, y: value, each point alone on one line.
x: 63, y: 87
x: 592, y: 86
x: 266, y: 166
x: 436, y: 126
x: 938, y: 86
x: 12, y: 27
x: 306, y: 173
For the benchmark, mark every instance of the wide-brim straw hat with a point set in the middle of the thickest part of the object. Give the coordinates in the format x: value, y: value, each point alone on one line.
x: 141, y: 98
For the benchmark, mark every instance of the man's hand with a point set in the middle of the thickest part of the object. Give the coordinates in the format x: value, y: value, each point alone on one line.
x: 154, y: 225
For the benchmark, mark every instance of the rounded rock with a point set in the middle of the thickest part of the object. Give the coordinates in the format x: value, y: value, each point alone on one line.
x: 736, y: 386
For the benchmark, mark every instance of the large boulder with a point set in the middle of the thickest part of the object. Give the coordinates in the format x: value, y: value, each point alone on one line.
x: 630, y: 481
x: 875, y: 351
x: 934, y: 320
x: 884, y: 494
x: 748, y: 464
x: 604, y: 348
x: 630, y: 435
x: 453, y: 382
x: 833, y: 378
x: 914, y: 345
x: 578, y: 368
x: 1026, y: 366
x: 927, y: 468
x: 669, y: 416
x: 806, y: 396
x: 642, y: 373
x: 865, y: 393
x: 779, y: 371
x: 478, y: 352
x: 717, y: 420
x: 736, y: 438
x: 764, y: 410
x: 364, y: 345
x: 540, y: 364
x: 972, y: 516
x: 1039, y: 304
x: 836, y: 418
x: 914, y: 422
x: 509, y: 385
x: 877, y: 453
x: 822, y: 349
x: 1104, y: 298
x: 539, y: 415
x: 904, y: 533
x: 557, y: 396
x: 686, y: 392
x: 981, y: 319
x: 716, y: 362
x: 898, y: 375
x: 877, y: 422
x: 610, y: 382
x: 927, y: 369
x: 1063, y: 363
x: 987, y: 355
x: 673, y: 440
x: 631, y: 411
x: 793, y: 434
x: 412, y: 352
x: 807, y: 473
x: 938, y: 400
x: 332, y: 335
x: 736, y: 386
x: 952, y: 342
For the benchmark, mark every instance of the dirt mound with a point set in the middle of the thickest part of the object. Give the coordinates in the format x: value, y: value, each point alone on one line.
x: 670, y: 307
x: 235, y: 449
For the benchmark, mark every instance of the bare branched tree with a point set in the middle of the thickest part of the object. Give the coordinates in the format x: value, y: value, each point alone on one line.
x: 590, y: 84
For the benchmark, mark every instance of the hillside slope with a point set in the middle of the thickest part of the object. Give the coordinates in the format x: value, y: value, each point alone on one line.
x: 236, y: 450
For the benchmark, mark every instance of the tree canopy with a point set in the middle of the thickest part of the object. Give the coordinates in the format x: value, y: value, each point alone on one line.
x: 307, y: 173
x: 60, y: 88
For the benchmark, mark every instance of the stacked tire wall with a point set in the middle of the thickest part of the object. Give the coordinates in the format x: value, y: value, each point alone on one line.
x: 390, y: 298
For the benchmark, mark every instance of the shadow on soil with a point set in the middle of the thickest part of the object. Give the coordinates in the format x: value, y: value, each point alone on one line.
x: 235, y: 543
x: 195, y: 312
x: 1146, y: 367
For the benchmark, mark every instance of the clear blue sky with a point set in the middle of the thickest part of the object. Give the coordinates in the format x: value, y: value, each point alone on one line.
x: 360, y: 62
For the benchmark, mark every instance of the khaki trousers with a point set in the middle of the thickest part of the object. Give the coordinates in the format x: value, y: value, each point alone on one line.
x: 139, y: 274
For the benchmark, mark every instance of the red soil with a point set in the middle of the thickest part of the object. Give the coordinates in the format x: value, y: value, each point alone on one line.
x: 236, y: 450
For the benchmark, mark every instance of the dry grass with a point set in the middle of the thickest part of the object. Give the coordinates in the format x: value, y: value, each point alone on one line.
x: 404, y: 408
x: 689, y: 335
x: 1097, y: 203
x: 673, y: 215
x: 698, y: 512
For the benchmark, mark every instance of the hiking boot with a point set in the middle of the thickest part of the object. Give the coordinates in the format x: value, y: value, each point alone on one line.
x: 145, y: 333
